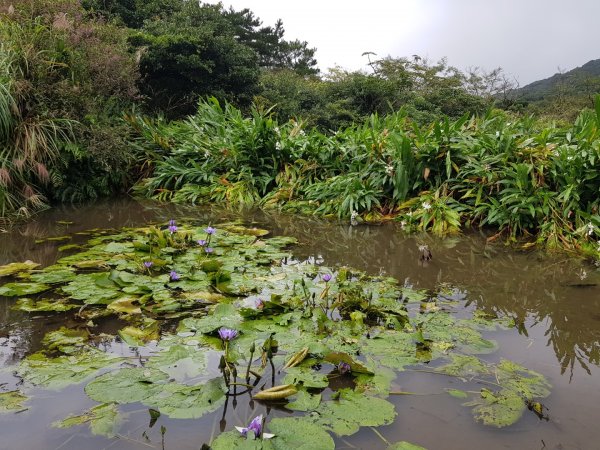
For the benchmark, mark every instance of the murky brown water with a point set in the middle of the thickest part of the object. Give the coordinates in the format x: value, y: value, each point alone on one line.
x: 554, y: 301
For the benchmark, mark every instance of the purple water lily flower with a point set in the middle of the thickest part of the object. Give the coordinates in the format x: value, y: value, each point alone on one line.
x: 172, y: 229
x: 172, y: 223
x: 202, y: 242
x: 344, y: 368
x: 148, y: 264
x: 174, y: 276
x: 255, y: 425
x: 326, y: 277
x: 208, y: 249
x: 210, y: 230
x: 227, y: 334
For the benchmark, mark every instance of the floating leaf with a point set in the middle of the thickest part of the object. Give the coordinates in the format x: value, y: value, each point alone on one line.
x: 457, y: 393
x: 14, y: 268
x: 224, y: 315
x: 403, y: 445
x: 53, y: 276
x: 180, y: 362
x: 353, y: 410
x: 498, y: 409
x: 103, y: 420
x: 57, y: 373
x: 305, y: 401
x: 299, y: 434
x: 20, y: 289
x: 44, y: 305
x: 12, y: 401
x: 66, y: 340
x: 338, y: 357
x: 188, y: 402
x: 306, y: 377
x: 138, y: 336
x: 126, y: 385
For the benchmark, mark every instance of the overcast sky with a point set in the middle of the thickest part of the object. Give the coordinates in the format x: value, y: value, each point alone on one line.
x: 529, y: 39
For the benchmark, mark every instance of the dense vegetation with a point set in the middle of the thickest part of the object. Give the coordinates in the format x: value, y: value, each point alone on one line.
x: 195, y: 102
x: 515, y: 175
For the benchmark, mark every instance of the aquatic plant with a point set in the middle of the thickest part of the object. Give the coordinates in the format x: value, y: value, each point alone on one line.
x: 286, y: 333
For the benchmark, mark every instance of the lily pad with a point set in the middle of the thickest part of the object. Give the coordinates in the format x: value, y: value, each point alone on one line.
x: 66, y: 340
x: 14, y: 268
x: 403, y: 445
x: 300, y: 434
x: 102, y: 419
x: 21, y: 289
x: 126, y: 385
x: 30, y: 305
x: 306, y: 377
x: 58, y: 373
x: 12, y: 401
x: 188, y: 402
x: 353, y: 410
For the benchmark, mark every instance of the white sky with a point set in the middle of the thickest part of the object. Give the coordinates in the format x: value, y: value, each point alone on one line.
x: 529, y: 39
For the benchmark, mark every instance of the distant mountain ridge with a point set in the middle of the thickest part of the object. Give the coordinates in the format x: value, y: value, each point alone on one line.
x: 581, y: 81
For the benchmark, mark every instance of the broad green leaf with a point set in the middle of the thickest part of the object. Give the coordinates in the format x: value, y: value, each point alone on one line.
x: 126, y: 385
x: 299, y: 434
x: 403, y: 445
x: 12, y: 401
x: 306, y: 377
x: 180, y: 401
x: 20, y: 289
x: 14, y: 268
x: 102, y: 419
x: 353, y: 410
x: 58, y: 373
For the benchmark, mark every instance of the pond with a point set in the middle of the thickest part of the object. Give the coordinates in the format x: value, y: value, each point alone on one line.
x: 546, y: 308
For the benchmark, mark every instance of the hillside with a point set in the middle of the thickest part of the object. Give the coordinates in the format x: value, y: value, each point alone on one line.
x: 582, y: 81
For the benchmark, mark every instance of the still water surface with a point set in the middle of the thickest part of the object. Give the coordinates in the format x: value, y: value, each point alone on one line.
x: 555, y: 303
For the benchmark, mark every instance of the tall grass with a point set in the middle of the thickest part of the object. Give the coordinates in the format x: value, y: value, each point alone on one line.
x: 29, y: 142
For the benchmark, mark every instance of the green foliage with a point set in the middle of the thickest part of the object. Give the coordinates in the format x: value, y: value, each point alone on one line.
x: 65, y: 77
x: 11, y: 401
x: 281, y: 312
x: 102, y: 419
x: 524, y: 178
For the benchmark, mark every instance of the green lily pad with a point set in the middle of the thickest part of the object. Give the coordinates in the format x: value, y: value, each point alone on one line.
x: 126, y: 385
x: 353, y: 410
x: 305, y: 401
x: 224, y: 315
x: 54, y: 276
x: 12, y: 401
x: 58, y: 373
x: 66, y: 340
x: 300, y: 434
x: 306, y: 377
x: 103, y: 420
x: 180, y: 362
x: 188, y: 402
x: 14, y: 268
x: 30, y: 305
x: 21, y: 289
x: 403, y: 445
